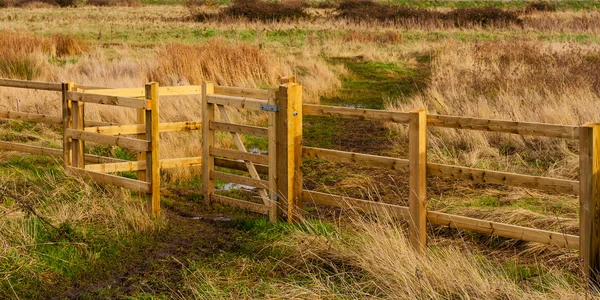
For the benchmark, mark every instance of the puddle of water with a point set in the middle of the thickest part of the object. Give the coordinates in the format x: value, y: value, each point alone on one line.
x: 236, y: 186
x: 258, y: 151
x: 216, y: 218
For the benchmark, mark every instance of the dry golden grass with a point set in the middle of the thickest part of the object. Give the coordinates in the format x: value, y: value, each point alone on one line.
x: 523, y: 81
x: 371, y: 258
x: 374, y: 259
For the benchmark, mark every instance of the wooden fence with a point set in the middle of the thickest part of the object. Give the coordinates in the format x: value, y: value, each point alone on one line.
x: 282, y: 193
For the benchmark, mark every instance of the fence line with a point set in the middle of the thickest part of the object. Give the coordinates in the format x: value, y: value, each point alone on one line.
x: 282, y: 192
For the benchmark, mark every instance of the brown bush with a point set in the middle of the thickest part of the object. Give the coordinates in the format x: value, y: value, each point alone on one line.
x: 367, y: 10
x: 266, y: 11
x: 69, y: 46
x: 131, y: 3
x: 482, y: 16
x: 66, y: 3
x: 100, y: 2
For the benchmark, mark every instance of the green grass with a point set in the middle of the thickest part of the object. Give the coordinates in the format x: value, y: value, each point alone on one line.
x: 63, y: 253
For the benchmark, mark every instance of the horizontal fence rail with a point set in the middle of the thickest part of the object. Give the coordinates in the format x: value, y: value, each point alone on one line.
x: 44, y: 119
x: 355, y: 113
x: 450, y: 220
x: 521, y: 128
x: 238, y: 102
x: 109, y: 100
x: 34, y: 85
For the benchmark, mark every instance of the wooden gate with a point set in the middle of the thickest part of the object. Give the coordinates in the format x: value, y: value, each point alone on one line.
x: 147, y: 144
x: 284, y: 150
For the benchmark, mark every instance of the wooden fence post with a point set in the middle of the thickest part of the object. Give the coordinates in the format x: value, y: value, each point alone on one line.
x: 589, y: 202
x: 417, y: 200
x: 289, y: 146
x: 78, y: 114
x: 208, y: 139
x: 67, y: 118
x: 153, y: 155
x: 275, y: 210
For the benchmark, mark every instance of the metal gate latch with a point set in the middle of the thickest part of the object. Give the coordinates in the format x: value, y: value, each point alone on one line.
x: 269, y: 107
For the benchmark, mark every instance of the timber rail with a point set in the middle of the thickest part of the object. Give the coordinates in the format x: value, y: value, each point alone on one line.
x: 282, y: 193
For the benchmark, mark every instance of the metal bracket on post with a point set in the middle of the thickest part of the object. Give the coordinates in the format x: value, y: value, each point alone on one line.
x: 269, y: 107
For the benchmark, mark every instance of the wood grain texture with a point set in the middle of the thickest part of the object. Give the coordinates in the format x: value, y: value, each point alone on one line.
x: 153, y: 153
x: 208, y: 140
x: 521, y: 128
x: 36, y: 85
x: 417, y: 197
x: 140, y: 129
x: 398, y: 164
x: 242, y: 92
x: 131, y: 184
x: 289, y: 148
x: 109, y: 100
x: 275, y: 208
x: 455, y: 221
x: 124, y: 142
x: 67, y: 116
x: 355, y: 113
x: 589, y: 202
x: 505, y: 230
x: 510, y: 179
x: 238, y: 102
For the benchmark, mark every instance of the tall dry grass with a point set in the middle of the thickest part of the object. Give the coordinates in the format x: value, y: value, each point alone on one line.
x: 371, y: 258
x: 554, y: 83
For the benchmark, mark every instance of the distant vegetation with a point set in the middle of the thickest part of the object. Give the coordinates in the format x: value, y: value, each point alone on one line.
x: 361, y: 11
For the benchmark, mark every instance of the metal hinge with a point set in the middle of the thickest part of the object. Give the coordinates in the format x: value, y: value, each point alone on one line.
x: 269, y: 107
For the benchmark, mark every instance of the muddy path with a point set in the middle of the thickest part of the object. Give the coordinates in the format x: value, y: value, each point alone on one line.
x: 157, y: 265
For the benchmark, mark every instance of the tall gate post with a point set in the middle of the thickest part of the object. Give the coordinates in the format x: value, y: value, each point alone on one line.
x: 275, y: 209
x: 153, y: 155
x: 417, y: 199
x: 289, y: 146
x: 67, y: 118
x: 589, y: 202
x: 208, y: 138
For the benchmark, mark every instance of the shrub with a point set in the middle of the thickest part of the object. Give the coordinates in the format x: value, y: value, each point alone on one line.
x: 482, y: 16
x: 266, y: 11
x: 359, y: 10
x: 66, y: 3
x: 69, y: 46
x: 19, y: 66
x: 99, y: 2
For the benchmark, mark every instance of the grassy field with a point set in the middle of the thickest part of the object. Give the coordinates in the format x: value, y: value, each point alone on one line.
x: 64, y: 238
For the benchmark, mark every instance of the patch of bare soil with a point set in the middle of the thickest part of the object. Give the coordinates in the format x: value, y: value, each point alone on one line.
x: 156, y: 268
